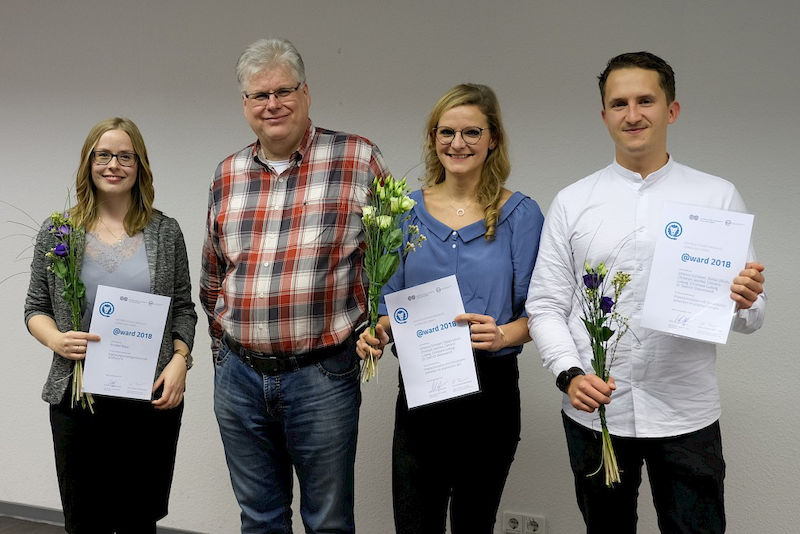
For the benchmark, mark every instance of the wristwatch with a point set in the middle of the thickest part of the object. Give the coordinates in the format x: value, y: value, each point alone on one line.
x: 186, y: 356
x: 565, y: 377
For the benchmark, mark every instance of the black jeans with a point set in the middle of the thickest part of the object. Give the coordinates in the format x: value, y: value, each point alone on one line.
x: 114, y: 466
x: 686, y: 476
x: 457, y: 451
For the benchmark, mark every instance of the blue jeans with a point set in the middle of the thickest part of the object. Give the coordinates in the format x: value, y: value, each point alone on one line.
x: 306, y: 419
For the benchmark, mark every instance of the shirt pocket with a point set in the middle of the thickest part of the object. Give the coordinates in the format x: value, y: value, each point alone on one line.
x: 329, y: 223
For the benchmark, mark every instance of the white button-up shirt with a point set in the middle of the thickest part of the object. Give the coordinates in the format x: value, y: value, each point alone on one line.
x: 666, y: 385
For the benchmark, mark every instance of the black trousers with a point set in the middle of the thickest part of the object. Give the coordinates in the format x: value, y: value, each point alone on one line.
x: 686, y: 476
x: 114, y: 466
x: 456, y: 452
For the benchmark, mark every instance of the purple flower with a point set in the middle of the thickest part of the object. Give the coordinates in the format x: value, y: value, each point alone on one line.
x: 592, y: 280
x: 63, y: 230
x: 606, y: 303
x: 62, y: 249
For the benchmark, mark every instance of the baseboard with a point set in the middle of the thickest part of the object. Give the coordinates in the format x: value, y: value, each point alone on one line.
x: 53, y: 516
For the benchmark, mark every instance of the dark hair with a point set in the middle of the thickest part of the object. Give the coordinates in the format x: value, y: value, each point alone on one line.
x: 642, y: 60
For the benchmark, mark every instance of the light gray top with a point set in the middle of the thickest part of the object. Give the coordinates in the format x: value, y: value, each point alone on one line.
x: 122, y: 264
x: 169, y: 275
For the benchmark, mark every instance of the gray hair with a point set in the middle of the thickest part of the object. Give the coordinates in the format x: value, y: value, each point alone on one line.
x: 266, y: 54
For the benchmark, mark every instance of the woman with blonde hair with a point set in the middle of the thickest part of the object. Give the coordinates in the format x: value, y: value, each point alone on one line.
x: 458, y: 452
x: 115, y: 465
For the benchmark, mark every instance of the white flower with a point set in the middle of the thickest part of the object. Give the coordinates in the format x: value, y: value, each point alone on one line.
x: 384, y: 221
x: 406, y: 203
x: 400, y: 204
x: 368, y: 214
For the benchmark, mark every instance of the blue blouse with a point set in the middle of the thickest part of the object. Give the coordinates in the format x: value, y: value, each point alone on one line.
x: 493, y: 276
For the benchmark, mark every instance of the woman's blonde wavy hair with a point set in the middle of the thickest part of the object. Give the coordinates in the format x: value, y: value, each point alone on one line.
x: 85, y: 213
x: 497, y: 166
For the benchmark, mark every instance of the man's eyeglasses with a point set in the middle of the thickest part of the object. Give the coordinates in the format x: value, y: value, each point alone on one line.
x: 446, y: 135
x: 261, y: 98
x: 126, y: 159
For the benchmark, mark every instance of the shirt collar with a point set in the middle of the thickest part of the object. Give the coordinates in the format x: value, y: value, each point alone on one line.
x: 469, y: 232
x: 636, y: 178
x: 305, y: 144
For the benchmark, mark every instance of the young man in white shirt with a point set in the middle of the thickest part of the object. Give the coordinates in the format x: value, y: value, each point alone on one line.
x: 665, y: 405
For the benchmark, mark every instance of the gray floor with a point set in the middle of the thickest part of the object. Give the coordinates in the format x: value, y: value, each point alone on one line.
x: 10, y: 525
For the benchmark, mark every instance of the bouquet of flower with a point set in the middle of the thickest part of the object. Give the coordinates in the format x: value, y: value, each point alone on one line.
x: 602, y: 321
x: 381, y: 219
x: 64, y: 265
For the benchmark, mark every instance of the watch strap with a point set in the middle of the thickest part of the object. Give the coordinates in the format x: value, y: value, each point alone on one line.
x: 565, y: 377
x: 187, y: 356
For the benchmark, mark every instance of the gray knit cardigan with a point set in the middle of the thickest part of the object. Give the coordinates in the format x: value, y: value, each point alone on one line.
x: 169, y: 276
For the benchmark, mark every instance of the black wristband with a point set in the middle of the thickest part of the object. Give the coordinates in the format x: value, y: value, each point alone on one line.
x: 565, y: 377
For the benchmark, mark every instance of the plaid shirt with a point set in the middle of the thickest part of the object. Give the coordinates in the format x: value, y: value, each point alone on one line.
x: 282, y: 256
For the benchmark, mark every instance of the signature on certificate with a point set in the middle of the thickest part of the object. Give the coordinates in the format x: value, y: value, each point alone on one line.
x: 680, y: 320
x: 437, y: 386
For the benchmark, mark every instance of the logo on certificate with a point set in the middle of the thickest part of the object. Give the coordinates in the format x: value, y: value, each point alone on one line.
x: 401, y: 315
x: 673, y: 230
x: 106, y: 309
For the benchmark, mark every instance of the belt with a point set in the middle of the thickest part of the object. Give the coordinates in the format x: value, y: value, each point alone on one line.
x: 273, y: 364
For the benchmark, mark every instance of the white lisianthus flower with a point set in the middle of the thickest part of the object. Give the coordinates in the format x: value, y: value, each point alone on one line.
x: 368, y: 214
x: 384, y: 221
x: 401, y: 204
x: 406, y: 203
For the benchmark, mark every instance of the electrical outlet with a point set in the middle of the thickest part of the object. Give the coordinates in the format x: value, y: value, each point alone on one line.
x: 513, y: 523
x: 533, y: 524
x: 519, y: 523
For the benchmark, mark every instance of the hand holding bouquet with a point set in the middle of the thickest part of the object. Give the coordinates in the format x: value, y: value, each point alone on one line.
x: 381, y: 218
x: 602, y: 322
x: 64, y: 265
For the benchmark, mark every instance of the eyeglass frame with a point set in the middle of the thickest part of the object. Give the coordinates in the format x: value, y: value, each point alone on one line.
x: 436, y: 134
x: 269, y: 94
x: 134, y: 154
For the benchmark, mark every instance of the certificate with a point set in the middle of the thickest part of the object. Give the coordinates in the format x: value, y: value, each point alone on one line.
x: 697, y: 256
x: 130, y: 325
x: 436, y: 358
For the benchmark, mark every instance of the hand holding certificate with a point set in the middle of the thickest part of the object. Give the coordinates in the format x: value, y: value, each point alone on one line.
x: 435, y: 352
x: 131, y: 326
x: 699, y: 254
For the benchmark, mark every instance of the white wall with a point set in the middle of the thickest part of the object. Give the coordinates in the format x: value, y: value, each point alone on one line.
x: 376, y: 69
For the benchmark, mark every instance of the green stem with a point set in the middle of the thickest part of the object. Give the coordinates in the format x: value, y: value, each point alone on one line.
x: 609, y: 458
